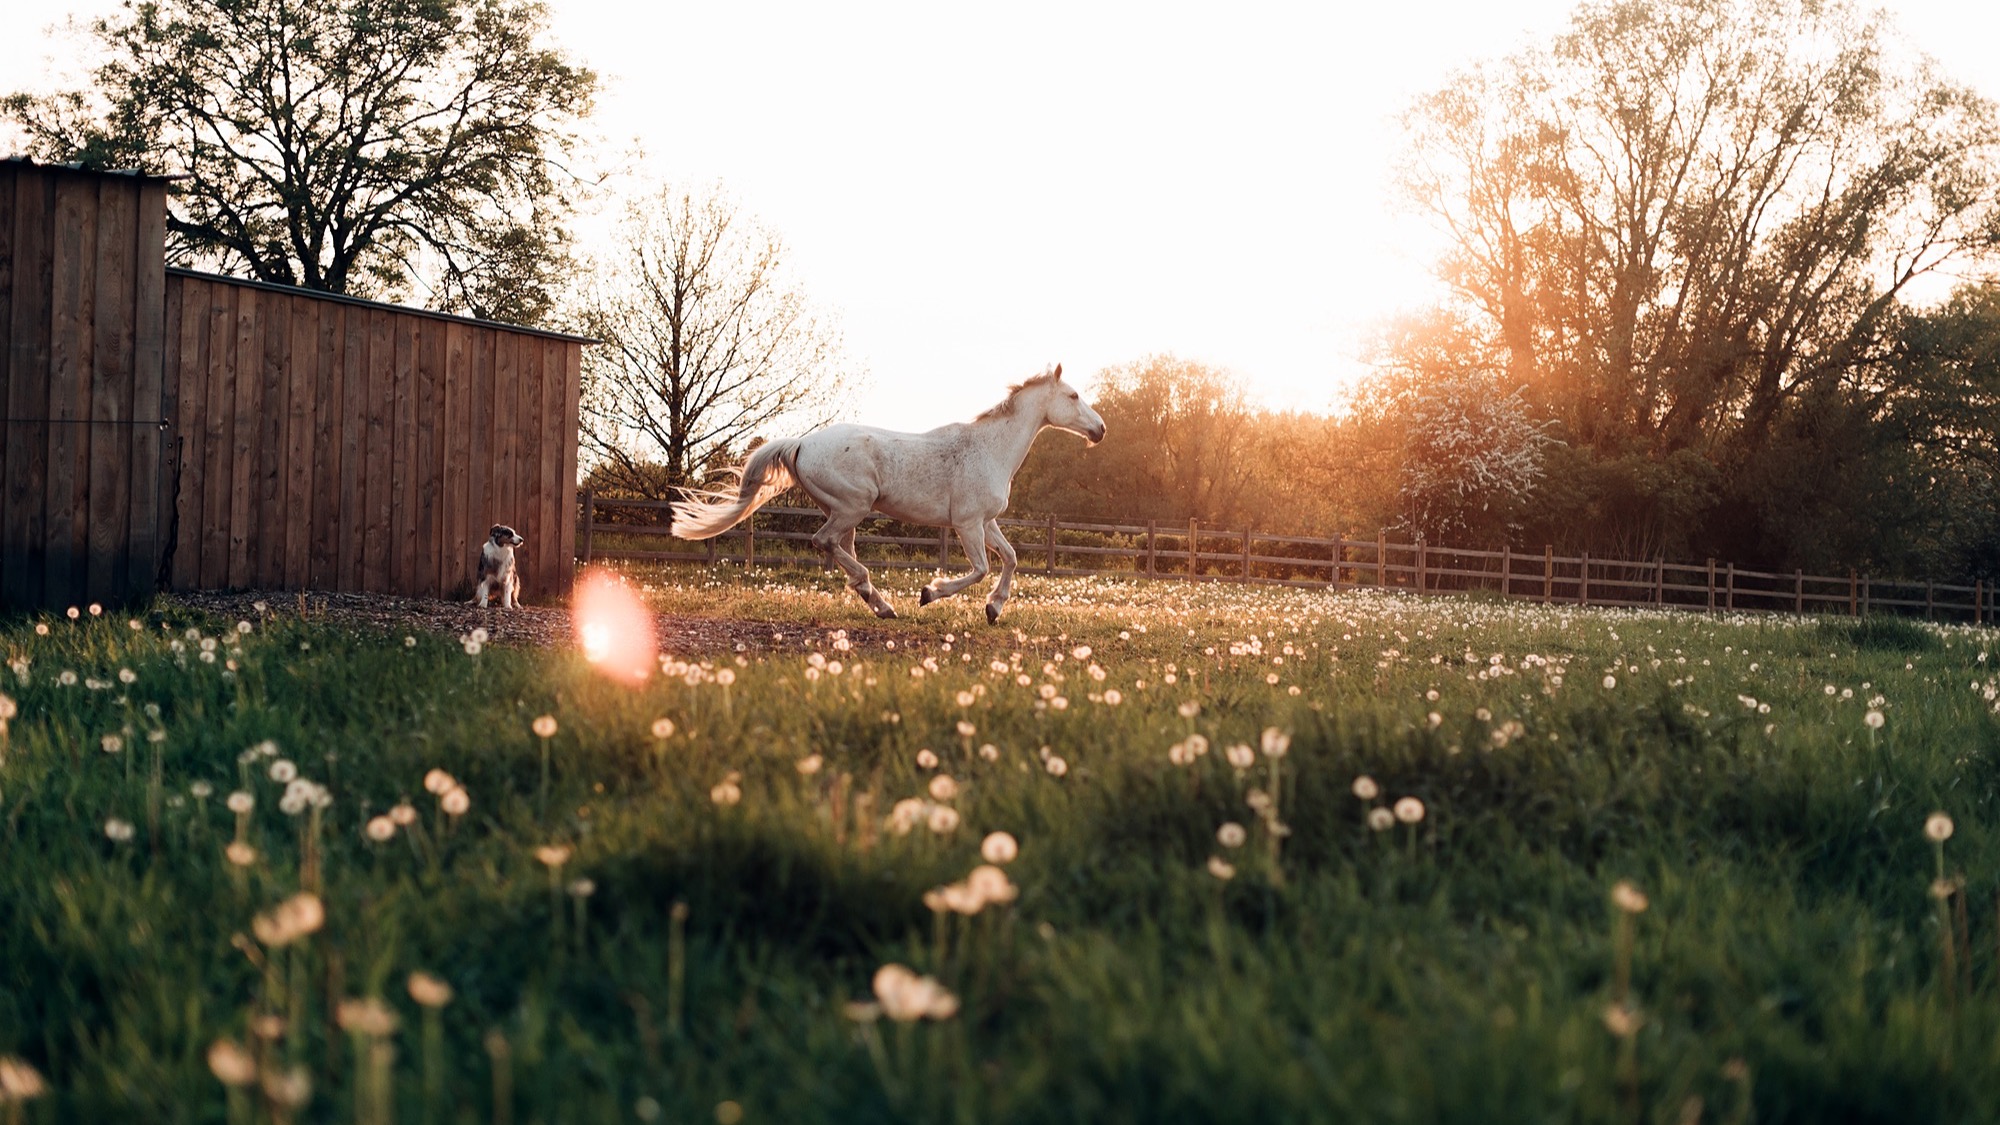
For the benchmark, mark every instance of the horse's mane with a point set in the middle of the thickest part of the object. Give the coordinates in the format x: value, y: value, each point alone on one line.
x: 1005, y: 406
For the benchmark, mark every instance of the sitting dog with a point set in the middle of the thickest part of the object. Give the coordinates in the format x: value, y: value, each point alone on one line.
x: 496, y: 565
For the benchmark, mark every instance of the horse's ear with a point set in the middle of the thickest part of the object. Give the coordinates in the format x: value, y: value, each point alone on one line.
x: 1056, y: 371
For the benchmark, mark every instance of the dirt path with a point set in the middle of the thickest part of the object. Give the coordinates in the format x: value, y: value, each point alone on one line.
x: 528, y: 626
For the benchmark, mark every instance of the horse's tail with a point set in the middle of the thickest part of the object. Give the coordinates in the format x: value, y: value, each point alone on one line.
x: 707, y: 513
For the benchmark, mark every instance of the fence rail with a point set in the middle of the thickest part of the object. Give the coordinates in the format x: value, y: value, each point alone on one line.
x: 621, y: 529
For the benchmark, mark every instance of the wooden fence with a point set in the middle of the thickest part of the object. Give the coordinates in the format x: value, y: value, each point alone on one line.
x: 330, y: 443
x: 621, y: 530
x: 81, y: 339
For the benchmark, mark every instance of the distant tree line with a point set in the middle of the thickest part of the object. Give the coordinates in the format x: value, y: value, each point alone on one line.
x: 1721, y: 284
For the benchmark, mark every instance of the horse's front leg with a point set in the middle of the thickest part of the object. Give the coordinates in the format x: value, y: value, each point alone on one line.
x: 836, y: 541
x: 1005, y: 587
x: 971, y: 536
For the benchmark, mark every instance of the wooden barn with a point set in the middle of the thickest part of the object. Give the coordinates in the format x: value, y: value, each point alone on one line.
x: 161, y: 428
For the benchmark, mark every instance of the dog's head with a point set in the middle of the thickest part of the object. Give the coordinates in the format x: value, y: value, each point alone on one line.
x: 504, y: 536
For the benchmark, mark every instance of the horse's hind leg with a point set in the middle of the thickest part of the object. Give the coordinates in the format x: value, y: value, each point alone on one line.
x: 1005, y: 587
x: 972, y: 536
x: 836, y: 541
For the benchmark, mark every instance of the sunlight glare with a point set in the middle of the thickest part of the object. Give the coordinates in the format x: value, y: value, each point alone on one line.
x: 614, y: 628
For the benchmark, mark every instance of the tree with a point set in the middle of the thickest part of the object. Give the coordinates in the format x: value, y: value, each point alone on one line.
x: 1688, y: 216
x: 1181, y: 445
x: 351, y: 146
x: 1469, y: 448
x: 706, y: 340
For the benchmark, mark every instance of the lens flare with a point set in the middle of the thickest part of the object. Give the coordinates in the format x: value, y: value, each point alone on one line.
x: 614, y: 628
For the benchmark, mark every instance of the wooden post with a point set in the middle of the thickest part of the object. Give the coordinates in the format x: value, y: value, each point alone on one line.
x: 1335, y: 583
x: 1979, y: 601
x: 1246, y: 554
x: 1194, y: 551
x: 1730, y: 605
x: 1420, y: 564
x: 1798, y: 591
x: 1050, y: 566
x: 1548, y: 572
x: 1381, y: 557
x: 589, y: 519
x: 1152, y: 548
x: 750, y: 543
x: 1930, y: 600
x: 1583, y: 579
x: 1711, y: 585
x: 1660, y: 580
x: 1506, y: 570
x: 944, y: 547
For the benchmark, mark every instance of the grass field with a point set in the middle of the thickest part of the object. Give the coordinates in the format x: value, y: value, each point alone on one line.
x: 1785, y: 949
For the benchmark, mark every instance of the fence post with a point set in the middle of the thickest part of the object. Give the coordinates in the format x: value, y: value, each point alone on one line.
x: 1660, y: 581
x: 1152, y: 548
x: 1050, y: 566
x: 1930, y: 600
x: 944, y: 547
x: 1194, y: 551
x: 1798, y: 591
x: 750, y: 543
x: 1548, y: 572
x: 1979, y: 601
x: 1246, y: 554
x: 1381, y: 557
x: 1711, y: 585
x: 1583, y: 579
x: 1335, y: 559
x: 1730, y: 605
x: 589, y: 518
x: 1506, y: 570
x: 1421, y: 560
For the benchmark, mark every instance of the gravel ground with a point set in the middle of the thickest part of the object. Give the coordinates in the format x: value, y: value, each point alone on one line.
x: 527, y: 626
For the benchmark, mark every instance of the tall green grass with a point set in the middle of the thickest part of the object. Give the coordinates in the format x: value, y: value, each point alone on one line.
x: 1790, y: 964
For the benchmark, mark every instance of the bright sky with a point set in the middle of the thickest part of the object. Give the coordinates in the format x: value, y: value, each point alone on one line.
x: 978, y: 190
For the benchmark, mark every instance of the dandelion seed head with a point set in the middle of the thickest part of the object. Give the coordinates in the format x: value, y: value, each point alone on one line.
x: 999, y: 847
x: 428, y: 990
x: 1628, y: 897
x: 1938, y: 827
x: 231, y: 1064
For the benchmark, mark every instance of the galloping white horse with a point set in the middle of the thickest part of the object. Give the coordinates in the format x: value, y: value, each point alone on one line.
x: 955, y: 476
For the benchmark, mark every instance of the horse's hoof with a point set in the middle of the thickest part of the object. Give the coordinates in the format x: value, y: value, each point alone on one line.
x: 927, y: 596
x: 885, y: 612
x: 992, y: 614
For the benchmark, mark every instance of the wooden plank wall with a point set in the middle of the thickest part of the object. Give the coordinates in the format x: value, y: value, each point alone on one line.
x: 331, y: 444
x: 82, y: 296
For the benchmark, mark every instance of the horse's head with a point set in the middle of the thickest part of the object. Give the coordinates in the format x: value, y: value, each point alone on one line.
x: 1065, y: 409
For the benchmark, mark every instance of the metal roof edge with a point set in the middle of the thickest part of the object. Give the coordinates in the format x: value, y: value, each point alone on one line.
x: 363, y: 302
x: 25, y: 161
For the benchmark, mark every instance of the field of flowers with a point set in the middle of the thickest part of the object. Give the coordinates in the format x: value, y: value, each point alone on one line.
x: 1143, y: 852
